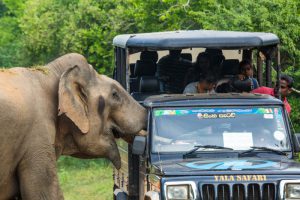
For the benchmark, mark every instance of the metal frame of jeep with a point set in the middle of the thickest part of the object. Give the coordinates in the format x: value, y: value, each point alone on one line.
x: 247, y: 42
x: 127, y: 179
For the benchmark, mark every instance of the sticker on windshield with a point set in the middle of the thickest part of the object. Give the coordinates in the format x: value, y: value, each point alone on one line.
x: 279, y: 124
x: 278, y: 135
x: 215, y: 115
x: 238, y: 140
x: 268, y: 116
x: 264, y: 110
x: 208, y: 113
x: 226, y: 115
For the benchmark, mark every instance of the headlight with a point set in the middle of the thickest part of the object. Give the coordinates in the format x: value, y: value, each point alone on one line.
x: 289, y: 189
x: 292, y: 191
x: 182, y: 192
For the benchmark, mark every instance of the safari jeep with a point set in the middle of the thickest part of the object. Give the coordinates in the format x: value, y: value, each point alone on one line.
x: 206, y: 146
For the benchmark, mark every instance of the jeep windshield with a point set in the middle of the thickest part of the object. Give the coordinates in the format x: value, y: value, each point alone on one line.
x: 238, y: 128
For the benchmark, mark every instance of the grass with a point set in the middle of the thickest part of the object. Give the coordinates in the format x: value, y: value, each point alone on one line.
x: 85, y: 179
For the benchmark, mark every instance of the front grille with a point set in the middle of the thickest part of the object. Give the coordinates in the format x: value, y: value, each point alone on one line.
x: 208, y: 192
x: 223, y: 192
x: 265, y: 191
x: 268, y: 191
x: 253, y: 192
x: 239, y: 192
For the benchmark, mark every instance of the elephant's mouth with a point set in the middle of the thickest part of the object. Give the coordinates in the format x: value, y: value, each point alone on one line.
x: 116, y: 132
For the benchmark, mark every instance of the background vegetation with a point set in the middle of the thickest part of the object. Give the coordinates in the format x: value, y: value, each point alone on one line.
x: 34, y: 32
x: 85, y: 179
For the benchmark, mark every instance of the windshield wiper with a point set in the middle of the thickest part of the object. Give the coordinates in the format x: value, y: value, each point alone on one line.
x: 204, y: 147
x: 264, y: 149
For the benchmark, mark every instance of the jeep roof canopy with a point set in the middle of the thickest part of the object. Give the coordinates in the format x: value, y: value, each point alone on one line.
x: 196, y: 38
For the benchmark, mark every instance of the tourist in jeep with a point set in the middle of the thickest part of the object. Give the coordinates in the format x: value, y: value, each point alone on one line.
x: 202, y: 65
x: 246, y: 72
x: 205, y: 84
x: 171, y: 70
x: 286, y: 84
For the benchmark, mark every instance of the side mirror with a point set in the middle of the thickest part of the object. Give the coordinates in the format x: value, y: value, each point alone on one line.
x: 296, y: 138
x: 139, y: 145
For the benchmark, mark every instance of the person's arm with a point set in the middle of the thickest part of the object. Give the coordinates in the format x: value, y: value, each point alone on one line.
x: 190, y: 88
x: 262, y: 90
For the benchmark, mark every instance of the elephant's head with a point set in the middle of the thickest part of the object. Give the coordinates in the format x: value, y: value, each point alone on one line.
x: 91, y: 106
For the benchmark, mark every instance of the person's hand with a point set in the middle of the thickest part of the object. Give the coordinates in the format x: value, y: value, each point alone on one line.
x: 241, y: 77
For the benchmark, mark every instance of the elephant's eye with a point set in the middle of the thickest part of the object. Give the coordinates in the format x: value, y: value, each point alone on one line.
x: 116, y: 96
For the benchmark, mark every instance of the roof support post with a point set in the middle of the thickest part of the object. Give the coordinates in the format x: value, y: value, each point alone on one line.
x: 278, y: 74
x: 268, y: 72
x: 259, y: 68
x: 269, y: 53
x: 120, y: 65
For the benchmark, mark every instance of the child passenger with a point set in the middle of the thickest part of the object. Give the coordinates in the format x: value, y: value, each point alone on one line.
x: 205, y: 84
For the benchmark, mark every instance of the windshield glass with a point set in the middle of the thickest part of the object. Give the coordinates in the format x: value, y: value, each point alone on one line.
x: 179, y: 130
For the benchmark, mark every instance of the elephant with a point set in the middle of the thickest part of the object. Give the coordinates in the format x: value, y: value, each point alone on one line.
x: 63, y: 108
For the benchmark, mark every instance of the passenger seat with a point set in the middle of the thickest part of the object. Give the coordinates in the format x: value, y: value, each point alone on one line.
x: 149, y: 85
x: 230, y: 68
x: 187, y: 56
x: 142, y: 68
x: 146, y: 66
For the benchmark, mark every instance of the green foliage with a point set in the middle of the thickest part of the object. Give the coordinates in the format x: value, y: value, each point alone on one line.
x: 294, y: 99
x: 50, y: 28
x: 3, y: 9
x: 54, y: 27
x: 10, y: 40
x: 295, y: 114
x: 13, y: 7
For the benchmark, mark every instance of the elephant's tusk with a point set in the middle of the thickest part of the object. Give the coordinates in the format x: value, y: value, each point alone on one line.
x: 142, y: 133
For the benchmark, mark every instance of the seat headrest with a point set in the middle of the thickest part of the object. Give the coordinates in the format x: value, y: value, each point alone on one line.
x: 230, y: 67
x: 149, y: 84
x: 144, y: 68
x: 186, y: 56
x: 149, y: 55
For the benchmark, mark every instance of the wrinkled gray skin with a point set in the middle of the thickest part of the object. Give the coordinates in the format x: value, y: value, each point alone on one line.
x: 65, y: 109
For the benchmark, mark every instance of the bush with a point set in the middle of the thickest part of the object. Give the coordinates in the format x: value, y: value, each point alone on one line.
x: 295, y: 114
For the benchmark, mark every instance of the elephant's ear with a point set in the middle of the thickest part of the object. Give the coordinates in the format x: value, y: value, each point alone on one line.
x: 73, y: 97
